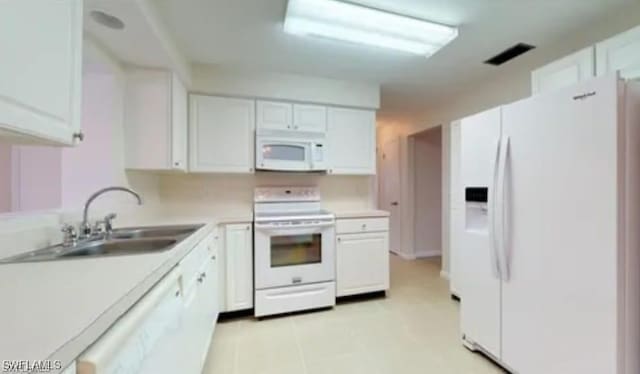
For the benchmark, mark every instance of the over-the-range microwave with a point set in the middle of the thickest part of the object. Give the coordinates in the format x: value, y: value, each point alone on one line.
x: 282, y: 150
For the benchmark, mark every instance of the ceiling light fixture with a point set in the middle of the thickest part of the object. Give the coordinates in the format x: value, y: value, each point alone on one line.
x: 358, y: 24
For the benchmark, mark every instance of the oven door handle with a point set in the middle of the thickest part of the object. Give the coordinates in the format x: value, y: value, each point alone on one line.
x: 268, y: 226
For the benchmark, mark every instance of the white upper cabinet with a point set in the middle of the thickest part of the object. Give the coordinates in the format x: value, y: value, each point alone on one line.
x: 274, y: 115
x: 221, y: 134
x: 41, y: 70
x: 622, y: 52
x: 571, y: 69
x: 310, y: 117
x: 351, y: 141
x: 155, y: 120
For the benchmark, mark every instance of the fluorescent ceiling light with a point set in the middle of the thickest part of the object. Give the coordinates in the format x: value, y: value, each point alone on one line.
x: 358, y: 24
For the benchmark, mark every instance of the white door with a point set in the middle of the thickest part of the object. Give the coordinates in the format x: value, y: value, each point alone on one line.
x: 351, y: 141
x: 622, y: 52
x: 559, y: 300
x: 274, y: 115
x: 362, y: 263
x: 480, y: 304
x: 310, y: 117
x: 239, y: 267
x: 390, y: 192
x: 41, y: 69
x: 221, y: 136
x: 456, y: 206
x: 577, y: 67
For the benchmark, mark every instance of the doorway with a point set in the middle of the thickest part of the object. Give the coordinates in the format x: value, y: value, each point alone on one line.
x: 390, y: 189
x: 427, y: 191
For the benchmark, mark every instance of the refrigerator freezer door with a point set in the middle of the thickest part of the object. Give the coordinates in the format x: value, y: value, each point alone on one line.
x: 480, y: 304
x: 560, y: 306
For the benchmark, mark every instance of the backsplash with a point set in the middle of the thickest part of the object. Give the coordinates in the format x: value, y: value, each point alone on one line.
x: 229, y: 195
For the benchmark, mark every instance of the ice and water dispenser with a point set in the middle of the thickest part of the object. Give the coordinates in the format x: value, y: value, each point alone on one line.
x: 477, y: 210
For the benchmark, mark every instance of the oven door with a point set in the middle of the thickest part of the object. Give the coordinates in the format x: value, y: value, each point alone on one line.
x: 296, y: 254
x: 282, y: 155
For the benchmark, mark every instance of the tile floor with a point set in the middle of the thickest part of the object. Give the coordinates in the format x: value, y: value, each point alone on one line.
x: 413, y: 330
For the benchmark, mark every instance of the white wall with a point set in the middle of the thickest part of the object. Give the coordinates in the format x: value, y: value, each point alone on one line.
x: 427, y: 151
x: 212, y: 79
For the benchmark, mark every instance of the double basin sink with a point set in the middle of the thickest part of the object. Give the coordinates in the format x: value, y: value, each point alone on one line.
x: 123, y: 241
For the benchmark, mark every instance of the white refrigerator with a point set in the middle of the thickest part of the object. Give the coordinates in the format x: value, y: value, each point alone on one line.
x: 549, y: 256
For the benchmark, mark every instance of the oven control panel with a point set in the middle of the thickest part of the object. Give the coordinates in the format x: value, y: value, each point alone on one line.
x: 286, y: 194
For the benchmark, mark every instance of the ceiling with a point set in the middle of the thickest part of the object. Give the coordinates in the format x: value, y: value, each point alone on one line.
x: 248, y: 34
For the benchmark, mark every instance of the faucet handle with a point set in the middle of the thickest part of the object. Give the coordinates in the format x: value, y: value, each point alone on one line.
x: 108, y: 222
x: 70, y: 235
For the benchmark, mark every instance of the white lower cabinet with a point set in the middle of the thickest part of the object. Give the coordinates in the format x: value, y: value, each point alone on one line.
x: 362, y: 256
x: 236, y: 268
x: 169, y: 330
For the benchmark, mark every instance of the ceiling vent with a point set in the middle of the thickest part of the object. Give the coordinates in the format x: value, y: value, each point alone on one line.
x: 509, y: 54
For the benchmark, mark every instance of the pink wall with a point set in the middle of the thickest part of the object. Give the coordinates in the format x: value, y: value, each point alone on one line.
x: 428, y: 192
x: 5, y: 178
x: 91, y: 165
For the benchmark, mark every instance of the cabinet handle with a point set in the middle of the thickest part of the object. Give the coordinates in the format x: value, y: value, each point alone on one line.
x: 339, y: 239
x: 177, y: 293
x: 213, y: 257
x: 364, y: 226
x: 295, y: 127
x: 79, y: 136
x: 250, y: 169
x: 248, y: 228
x: 201, y: 277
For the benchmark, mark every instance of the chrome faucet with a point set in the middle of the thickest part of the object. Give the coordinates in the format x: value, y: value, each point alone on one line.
x: 85, y: 226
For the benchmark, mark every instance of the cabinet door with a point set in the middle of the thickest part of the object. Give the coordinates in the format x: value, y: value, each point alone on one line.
x: 569, y: 70
x: 274, y: 115
x: 41, y: 74
x: 221, y: 137
x: 179, y: 114
x: 310, y: 117
x: 239, y: 267
x: 622, y: 52
x: 351, y: 141
x: 362, y: 263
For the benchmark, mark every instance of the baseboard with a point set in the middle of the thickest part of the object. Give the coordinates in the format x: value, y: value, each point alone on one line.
x: 404, y: 256
x: 434, y: 253
x: 444, y: 274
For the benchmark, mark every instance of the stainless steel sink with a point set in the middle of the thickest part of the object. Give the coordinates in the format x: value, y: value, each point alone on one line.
x: 119, y: 247
x: 123, y: 241
x: 154, y: 232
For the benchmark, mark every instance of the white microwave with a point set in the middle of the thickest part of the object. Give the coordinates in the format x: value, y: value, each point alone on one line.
x: 290, y: 151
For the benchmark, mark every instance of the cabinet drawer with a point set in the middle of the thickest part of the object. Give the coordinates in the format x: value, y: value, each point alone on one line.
x: 191, y: 264
x: 346, y: 226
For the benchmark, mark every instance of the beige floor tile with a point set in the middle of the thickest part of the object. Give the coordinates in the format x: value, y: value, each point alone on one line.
x: 415, y: 329
x: 358, y: 363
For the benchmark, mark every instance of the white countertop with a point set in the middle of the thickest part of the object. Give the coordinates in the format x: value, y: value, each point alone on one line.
x: 362, y: 214
x: 54, y: 310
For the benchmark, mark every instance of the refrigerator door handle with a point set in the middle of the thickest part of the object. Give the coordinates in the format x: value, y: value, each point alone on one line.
x: 493, y: 238
x: 502, y: 211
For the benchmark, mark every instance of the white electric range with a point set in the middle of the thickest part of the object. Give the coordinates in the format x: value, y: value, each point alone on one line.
x: 294, y: 250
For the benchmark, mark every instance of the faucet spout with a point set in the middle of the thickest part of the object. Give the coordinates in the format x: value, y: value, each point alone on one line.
x: 86, y: 227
